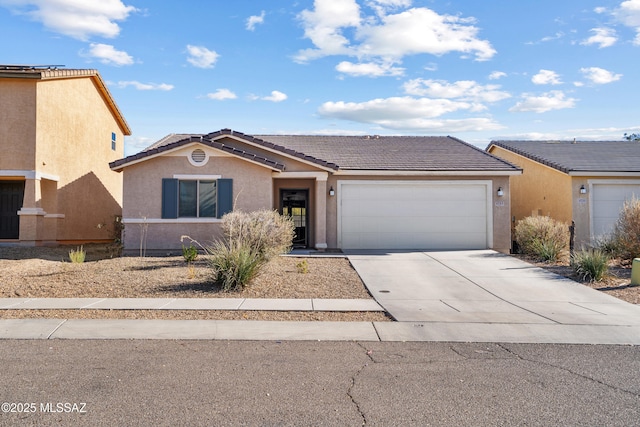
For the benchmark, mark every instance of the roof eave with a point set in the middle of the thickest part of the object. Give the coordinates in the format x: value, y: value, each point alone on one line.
x: 396, y: 172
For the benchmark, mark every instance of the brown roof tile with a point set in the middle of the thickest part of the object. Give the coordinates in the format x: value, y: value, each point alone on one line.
x: 362, y: 153
x: 579, y: 156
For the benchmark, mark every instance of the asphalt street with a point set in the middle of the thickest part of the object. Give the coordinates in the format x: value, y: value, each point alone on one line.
x: 271, y: 383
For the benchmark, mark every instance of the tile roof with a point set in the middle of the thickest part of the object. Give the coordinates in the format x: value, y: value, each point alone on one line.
x: 401, y: 153
x: 362, y: 153
x: 579, y: 156
x: 174, y: 141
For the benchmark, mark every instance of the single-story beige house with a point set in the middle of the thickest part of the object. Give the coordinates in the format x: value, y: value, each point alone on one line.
x: 586, y: 182
x: 343, y: 192
x: 59, y: 129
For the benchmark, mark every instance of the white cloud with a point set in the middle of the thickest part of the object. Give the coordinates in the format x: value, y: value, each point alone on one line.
x: 145, y: 86
x: 323, y: 26
x: 74, y: 18
x: 408, y: 114
x: 276, y: 96
x: 388, y: 37
x: 546, y: 77
x: 554, y: 100
x: 369, y: 69
x: 466, y: 90
x: 107, y: 54
x: 387, y: 109
x: 201, y: 57
x: 599, y: 76
x: 497, y: 75
x: 254, y: 20
x: 603, y: 37
x: 629, y: 14
x: 221, y: 95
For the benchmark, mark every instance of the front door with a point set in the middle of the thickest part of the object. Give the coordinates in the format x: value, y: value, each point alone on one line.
x: 294, y: 204
x: 11, y: 196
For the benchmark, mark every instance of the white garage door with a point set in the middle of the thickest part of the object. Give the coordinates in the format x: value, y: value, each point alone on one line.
x: 414, y: 215
x: 607, y: 201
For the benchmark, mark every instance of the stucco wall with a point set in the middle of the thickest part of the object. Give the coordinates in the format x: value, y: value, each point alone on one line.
x: 58, y: 131
x: 74, y: 133
x: 540, y: 190
x: 17, y: 124
x: 252, y: 190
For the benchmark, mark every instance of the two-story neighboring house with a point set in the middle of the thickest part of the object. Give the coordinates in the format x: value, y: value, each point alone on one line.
x: 59, y: 129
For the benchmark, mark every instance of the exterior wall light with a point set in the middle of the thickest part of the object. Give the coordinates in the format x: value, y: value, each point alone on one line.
x: 583, y: 190
x: 332, y: 192
x: 500, y: 192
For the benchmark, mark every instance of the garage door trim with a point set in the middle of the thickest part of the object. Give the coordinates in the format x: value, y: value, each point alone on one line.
x: 487, y: 184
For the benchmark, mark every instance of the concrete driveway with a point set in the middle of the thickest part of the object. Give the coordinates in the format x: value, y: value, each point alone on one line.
x: 484, y: 287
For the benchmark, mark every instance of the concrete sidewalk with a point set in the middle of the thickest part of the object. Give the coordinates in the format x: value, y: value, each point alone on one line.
x: 464, y: 296
x: 262, y: 304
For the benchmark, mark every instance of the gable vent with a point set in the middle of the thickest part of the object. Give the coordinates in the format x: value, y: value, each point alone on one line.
x: 198, y: 156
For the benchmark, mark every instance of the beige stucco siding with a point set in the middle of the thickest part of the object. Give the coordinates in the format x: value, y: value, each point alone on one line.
x: 252, y: 190
x: 540, y: 190
x: 74, y: 134
x: 56, y: 133
x: 18, y: 124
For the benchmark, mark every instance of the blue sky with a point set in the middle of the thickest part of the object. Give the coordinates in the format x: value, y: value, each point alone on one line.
x: 477, y: 70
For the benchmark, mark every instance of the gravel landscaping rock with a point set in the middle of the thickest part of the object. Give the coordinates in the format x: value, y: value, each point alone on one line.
x: 48, y: 273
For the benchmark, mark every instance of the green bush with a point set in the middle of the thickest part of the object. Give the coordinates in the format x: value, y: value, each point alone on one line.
x: 542, y: 237
x: 591, y: 264
x: 625, y: 238
x: 190, y: 253
x: 250, y: 240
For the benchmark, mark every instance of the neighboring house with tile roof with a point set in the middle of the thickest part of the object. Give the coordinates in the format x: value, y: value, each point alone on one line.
x: 59, y: 129
x: 585, y: 182
x: 343, y: 192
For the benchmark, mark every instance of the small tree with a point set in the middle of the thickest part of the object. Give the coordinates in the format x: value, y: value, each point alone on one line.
x: 632, y: 136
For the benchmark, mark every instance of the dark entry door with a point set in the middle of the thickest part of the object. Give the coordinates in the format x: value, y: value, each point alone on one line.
x: 294, y: 204
x: 11, y: 196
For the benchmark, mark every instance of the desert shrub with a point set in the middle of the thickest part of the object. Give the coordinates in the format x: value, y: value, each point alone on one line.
x: 189, y: 253
x: 264, y: 232
x: 625, y: 238
x: 234, y: 267
x: 78, y: 255
x: 302, y: 267
x: 591, y: 264
x: 542, y: 237
x: 250, y: 240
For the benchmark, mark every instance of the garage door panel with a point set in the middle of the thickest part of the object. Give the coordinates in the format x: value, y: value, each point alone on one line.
x: 413, y: 215
x: 607, y: 202
x: 413, y: 240
x: 403, y: 209
x: 415, y: 225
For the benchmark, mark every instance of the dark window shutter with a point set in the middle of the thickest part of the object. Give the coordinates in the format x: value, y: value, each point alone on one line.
x: 225, y: 196
x: 169, y: 198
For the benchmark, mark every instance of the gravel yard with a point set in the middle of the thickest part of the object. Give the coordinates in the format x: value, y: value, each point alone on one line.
x: 47, y: 273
